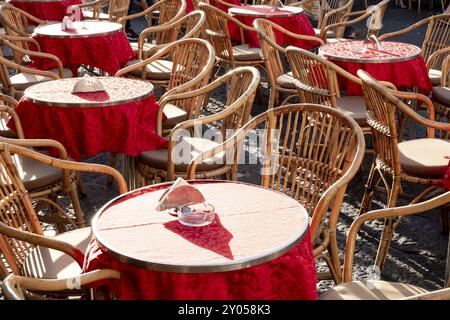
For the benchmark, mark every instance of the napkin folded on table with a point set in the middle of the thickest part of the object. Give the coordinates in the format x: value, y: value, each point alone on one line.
x: 88, y: 84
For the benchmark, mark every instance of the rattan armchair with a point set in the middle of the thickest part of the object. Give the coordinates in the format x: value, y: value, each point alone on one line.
x: 16, y: 287
x: 310, y: 152
x: 25, y: 249
x: 441, y: 97
x: 5, y: 116
x: 156, y: 37
x: 218, y: 34
x: 94, y: 10
x: 377, y: 289
x: 280, y: 80
x: 434, y: 46
x: 417, y: 161
x: 374, y: 13
x: 17, y: 22
x: 196, y: 134
x: 190, y: 66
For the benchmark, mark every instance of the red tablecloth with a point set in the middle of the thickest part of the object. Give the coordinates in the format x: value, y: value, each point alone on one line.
x: 109, y: 53
x: 128, y: 128
x: 297, y: 24
x: 45, y: 10
x: 190, y: 6
x: 290, y: 276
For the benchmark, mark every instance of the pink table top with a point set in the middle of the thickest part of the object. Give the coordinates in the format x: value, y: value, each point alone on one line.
x: 117, y: 91
x: 82, y: 29
x: 253, y: 225
x: 359, y: 51
x: 265, y: 11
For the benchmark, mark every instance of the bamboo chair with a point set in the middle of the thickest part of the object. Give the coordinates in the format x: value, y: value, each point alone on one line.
x: 190, y: 66
x: 219, y: 36
x: 5, y: 117
x: 374, y: 13
x: 418, y: 161
x: 165, y: 165
x: 434, y: 46
x: 280, y: 80
x: 316, y: 82
x: 383, y: 290
x: 24, y: 77
x: 441, y: 97
x: 157, y: 37
x: 26, y: 251
x: 310, y: 152
x: 25, y: 288
x: 17, y: 22
x: 116, y: 9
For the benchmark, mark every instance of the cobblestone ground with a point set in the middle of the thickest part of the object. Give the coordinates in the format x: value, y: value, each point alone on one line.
x: 418, y: 251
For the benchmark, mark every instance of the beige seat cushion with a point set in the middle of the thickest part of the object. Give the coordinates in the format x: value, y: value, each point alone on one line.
x: 442, y: 95
x: 52, y: 264
x: 244, y: 53
x: 435, y: 76
x: 21, y: 81
x: 373, y: 290
x: 355, y: 107
x: 185, y: 151
x: 87, y: 14
x: 174, y: 116
x: 330, y: 33
x: 424, y: 157
x: 157, y: 70
x: 286, y: 81
x: 147, y: 46
x: 36, y: 175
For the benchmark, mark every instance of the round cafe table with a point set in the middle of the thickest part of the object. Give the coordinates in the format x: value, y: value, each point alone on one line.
x: 100, y: 44
x: 396, y: 62
x: 288, y: 17
x: 121, y: 119
x: 50, y: 10
x: 258, y: 246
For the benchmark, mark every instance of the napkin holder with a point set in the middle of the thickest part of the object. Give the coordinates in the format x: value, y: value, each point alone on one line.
x: 88, y: 84
x: 187, y: 203
x: 74, y: 14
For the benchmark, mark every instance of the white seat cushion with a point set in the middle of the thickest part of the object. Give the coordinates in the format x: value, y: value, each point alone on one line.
x: 147, y: 46
x: 87, y: 14
x: 52, y: 264
x: 157, y: 70
x: 355, y: 107
x: 424, y: 157
x: 21, y: 81
x: 435, y: 76
x: 174, y: 116
x: 286, y: 81
x: 185, y: 152
x: 244, y: 53
x: 373, y: 290
x: 442, y: 95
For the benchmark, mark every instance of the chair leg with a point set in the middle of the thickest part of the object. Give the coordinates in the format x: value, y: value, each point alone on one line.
x: 334, y: 263
x: 368, y: 193
x: 112, y: 163
x: 443, y: 218
x: 79, y: 216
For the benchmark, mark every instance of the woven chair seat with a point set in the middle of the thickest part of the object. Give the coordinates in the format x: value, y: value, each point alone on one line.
x: 244, y: 53
x: 355, y: 107
x: 157, y: 70
x: 373, y: 290
x: 442, y: 95
x: 286, y: 81
x: 43, y: 262
x: 424, y: 157
x: 174, y: 116
x: 22, y: 81
x: 158, y: 158
x: 147, y: 46
x: 435, y: 76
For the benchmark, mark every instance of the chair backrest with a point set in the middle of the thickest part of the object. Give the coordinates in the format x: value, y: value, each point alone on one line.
x: 16, y: 211
x: 310, y: 152
x: 169, y: 9
x: 14, y: 20
x: 437, y: 37
x: 334, y: 11
x: 218, y: 32
x: 316, y: 79
x: 118, y: 9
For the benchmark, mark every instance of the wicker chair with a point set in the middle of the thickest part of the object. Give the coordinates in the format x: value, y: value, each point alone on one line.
x: 434, y: 46
x: 16, y: 21
x: 441, y: 97
x: 26, y: 251
x: 417, y: 161
x: 218, y: 34
x: 94, y: 10
x: 190, y: 66
x: 375, y: 13
x: 310, y: 152
x: 163, y: 164
x: 376, y: 289
x: 280, y: 80
x: 5, y: 116
x: 16, y: 287
x: 156, y: 37
x: 25, y: 76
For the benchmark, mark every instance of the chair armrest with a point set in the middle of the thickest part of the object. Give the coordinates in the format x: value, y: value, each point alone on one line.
x: 436, y: 55
x: 23, y: 69
x: 404, y: 30
x: 332, y: 12
x: 10, y: 101
x: 150, y: 9
x: 443, y: 294
x: 382, y: 214
x: 23, y: 39
x: 15, y: 117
